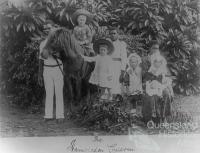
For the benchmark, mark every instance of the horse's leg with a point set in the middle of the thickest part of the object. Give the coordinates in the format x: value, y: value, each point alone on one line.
x: 86, y: 90
x: 89, y: 100
x: 69, y: 92
x: 88, y: 70
x: 78, y: 88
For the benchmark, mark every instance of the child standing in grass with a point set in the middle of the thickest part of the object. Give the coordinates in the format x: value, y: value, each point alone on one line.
x: 134, y: 81
x: 102, y: 74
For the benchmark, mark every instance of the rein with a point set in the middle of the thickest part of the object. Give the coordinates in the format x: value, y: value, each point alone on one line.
x: 58, y: 65
x: 60, y: 36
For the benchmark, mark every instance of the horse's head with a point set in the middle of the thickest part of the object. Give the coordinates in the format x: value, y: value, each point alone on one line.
x: 62, y: 40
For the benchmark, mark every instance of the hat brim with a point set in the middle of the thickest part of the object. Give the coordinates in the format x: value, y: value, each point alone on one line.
x: 81, y: 12
x: 103, y: 42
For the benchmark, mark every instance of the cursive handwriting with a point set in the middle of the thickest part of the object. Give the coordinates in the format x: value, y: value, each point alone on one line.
x: 113, y: 148
x: 97, y: 139
x: 73, y: 148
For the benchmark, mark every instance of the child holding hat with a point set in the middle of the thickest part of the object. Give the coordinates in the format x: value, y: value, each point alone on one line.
x: 82, y: 32
x: 102, y: 74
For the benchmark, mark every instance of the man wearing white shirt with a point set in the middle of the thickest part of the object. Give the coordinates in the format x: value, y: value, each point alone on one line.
x: 50, y: 71
x: 119, y: 57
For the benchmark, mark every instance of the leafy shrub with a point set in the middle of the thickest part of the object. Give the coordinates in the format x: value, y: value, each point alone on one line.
x: 135, y: 43
x: 175, y: 24
x: 21, y: 79
x: 27, y: 75
x: 108, y: 116
x: 183, y: 60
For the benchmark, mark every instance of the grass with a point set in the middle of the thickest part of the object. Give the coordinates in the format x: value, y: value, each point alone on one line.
x: 19, y: 122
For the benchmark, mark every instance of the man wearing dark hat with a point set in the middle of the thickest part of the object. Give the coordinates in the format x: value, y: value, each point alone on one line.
x: 119, y: 58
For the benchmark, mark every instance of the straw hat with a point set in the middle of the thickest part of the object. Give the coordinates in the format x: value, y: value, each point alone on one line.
x: 81, y: 12
x: 103, y: 42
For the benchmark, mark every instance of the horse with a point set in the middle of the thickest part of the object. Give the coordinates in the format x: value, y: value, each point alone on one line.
x: 62, y: 41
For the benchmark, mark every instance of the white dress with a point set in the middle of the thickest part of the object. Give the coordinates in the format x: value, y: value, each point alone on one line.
x: 102, y: 74
x: 119, y: 57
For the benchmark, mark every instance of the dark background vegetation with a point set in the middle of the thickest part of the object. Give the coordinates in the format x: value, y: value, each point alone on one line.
x: 173, y: 22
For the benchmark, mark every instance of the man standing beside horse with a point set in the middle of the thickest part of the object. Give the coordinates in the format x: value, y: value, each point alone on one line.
x: 51, y: 70
x: 119, y: 57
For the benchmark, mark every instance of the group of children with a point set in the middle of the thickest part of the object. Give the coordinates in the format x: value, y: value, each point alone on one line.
x: 104, y: 73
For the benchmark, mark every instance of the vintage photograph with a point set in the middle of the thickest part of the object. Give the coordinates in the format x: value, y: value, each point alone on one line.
x: 99, y: 67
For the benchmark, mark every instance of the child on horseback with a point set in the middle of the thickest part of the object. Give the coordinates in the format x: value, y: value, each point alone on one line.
x: 82, y: 32
x: 102, y: 74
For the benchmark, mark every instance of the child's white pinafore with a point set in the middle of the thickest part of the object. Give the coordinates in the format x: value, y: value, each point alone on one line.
x: 102, y: 71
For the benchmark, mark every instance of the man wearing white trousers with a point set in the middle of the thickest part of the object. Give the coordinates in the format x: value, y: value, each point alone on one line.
x: 50, y: 69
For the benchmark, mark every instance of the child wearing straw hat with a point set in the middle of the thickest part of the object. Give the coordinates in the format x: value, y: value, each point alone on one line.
x: 82, y: 32
x: 102, y: 74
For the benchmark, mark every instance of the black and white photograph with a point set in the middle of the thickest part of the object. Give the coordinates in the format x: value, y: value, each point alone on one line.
x: 107, y: 76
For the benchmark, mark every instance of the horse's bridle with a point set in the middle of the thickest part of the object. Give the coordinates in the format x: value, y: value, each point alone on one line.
x: 56, y: 58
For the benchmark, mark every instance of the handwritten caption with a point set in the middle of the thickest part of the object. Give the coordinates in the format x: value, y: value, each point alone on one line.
x: 108, y: 148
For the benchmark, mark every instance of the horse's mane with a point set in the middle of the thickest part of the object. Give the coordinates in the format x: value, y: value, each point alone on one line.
x: 63, y: 39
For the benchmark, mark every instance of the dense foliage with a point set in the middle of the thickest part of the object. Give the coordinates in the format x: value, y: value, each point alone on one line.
x: 173, y: 22
x: 103, y: 115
